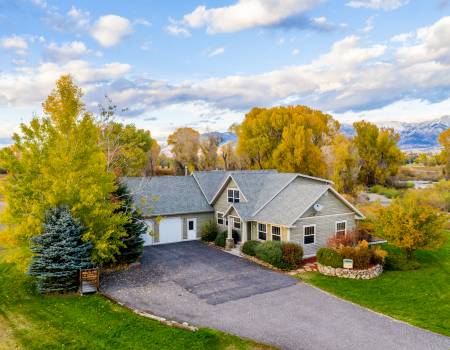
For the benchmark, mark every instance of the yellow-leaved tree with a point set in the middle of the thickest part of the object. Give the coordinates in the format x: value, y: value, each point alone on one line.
x: 286, y: 138
x: 410, y: 225
x: 444, y: 140
x: 58, y: 160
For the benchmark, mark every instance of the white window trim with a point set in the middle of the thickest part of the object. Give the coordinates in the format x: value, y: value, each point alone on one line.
x: 257, y: 231
x: 336, y: 225
x: 223, y: 218
x: 233, y: 189
x: 234, y: 221
x: 315, y: 233
x: 271, y: 231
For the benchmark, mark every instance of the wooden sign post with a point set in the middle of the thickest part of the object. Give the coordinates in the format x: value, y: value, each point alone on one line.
x: 89, y: 281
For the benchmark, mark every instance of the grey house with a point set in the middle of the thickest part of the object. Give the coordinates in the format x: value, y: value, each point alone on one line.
x: 259, y: 205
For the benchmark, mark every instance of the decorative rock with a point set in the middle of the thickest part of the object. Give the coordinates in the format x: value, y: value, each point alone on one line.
x: 372, y: 272
x: 229, y: 244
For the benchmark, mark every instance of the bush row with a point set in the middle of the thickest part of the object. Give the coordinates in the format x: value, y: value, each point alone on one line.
x: 283, y: 255
x: 362, y: 255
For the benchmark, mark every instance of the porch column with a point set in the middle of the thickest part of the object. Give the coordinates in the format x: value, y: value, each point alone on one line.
x: 229, y: 244
x: 243, y: 231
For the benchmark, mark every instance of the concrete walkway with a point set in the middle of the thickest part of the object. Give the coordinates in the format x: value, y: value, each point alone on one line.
x: 206, y: 287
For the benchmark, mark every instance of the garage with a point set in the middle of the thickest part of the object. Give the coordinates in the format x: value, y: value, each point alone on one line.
x: 170, y: 230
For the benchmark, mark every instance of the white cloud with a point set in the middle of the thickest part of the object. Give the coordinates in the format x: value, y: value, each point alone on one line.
x: 67, y: 51
x: 386, y: 5
x: 15, y: 43
x: 402, y: 38
x: 15, y: 87
x: 369, y: 25
x: 80, y: 18
x: 176, y: 28
x: 295, y: 52
x: 111, y: 29
x: 142, y: 22
x: 216, y: 52
x: 246, y: 14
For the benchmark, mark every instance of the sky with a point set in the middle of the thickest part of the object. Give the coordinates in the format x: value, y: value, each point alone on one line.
x: 205, y: 64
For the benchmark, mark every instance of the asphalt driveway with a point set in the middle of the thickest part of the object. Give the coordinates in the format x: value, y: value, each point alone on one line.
x: 206, y: 287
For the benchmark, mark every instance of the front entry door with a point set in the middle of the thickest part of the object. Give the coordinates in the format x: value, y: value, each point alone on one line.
x: 192, y: 228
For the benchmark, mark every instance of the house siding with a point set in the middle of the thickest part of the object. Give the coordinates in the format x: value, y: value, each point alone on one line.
x: 221, y: 203
x: 202, y: 219
x: 254, y: 232
x: 325, y: 228
x: 331, y: 205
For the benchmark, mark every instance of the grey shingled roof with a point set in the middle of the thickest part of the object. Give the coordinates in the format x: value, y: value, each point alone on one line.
x: 292, y: 201
x: 165, y: 195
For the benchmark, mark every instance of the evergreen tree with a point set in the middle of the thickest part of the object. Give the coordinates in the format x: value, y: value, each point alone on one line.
x: 59, y: 253
x: 135, y: 228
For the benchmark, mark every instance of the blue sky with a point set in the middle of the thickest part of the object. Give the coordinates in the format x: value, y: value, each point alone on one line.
x: 205, y: 64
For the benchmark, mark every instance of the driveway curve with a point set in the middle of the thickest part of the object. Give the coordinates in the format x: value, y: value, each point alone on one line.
x: 191, y: 282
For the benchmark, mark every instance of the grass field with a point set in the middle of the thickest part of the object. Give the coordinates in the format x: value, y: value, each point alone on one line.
x: 31, y: 321
x: 420, y: 297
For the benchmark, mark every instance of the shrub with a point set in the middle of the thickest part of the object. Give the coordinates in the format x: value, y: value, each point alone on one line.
x: 386, y: 191
x: 329, y: 257
x: 378, y: 255
x: 249, y: 247
x: 292, y: 254
x: 271, y: 253
x: 397, y: 262
x: 361, y: 255
x: 350, y: 239
x: 210, y: 231
x: 221, y: 239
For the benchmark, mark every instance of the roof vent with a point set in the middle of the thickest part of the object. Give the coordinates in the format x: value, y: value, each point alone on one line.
x: 318, y: 207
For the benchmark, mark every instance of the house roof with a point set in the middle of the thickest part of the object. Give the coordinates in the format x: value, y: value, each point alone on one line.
x: 268, y: 196
x: 167, y: 195
x: 293, y: 200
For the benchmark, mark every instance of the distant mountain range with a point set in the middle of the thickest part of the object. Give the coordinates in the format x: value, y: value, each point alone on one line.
x: 420, y: 136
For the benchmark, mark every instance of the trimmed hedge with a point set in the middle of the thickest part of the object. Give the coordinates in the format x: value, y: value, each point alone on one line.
x: 271, y: 253
x: 329, y: 257
x: 210, y: 231
x: 221, y: 239
x: 249, y: 247
x: 292, y: 254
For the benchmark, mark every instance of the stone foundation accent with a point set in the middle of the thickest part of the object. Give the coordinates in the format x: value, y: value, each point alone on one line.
x: 229, y: 244
x: 372, y: 272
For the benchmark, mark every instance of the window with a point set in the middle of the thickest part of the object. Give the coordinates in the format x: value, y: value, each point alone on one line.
x: 262, y: 231
x: 276, y: 233
x: 190, y: 225
x: 309, y: 234
x: 341, y: 228
x: 233, y: 196
x: 219, y: 218
x: 237, y: 223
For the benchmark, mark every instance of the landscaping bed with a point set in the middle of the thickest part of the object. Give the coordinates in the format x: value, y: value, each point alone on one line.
x: 365, y: 274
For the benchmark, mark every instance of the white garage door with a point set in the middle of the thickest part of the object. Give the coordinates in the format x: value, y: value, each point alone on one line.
x: 170, y: 230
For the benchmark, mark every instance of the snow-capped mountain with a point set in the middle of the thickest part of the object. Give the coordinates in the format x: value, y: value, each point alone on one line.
x: 421, y: 136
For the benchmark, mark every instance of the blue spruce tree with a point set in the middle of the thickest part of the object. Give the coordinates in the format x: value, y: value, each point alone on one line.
x: 59, y: 253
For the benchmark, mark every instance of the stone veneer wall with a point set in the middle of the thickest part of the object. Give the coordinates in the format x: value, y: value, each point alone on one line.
x: 370, y: 273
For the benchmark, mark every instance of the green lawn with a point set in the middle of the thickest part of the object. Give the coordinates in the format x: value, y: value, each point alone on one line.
x: 420, y: 297
x: 31, y: 321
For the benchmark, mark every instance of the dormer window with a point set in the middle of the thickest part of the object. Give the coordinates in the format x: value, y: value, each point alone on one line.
x: 233, y: 195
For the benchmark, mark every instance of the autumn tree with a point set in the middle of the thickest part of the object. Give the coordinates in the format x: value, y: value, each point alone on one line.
x: 185, y: 144
x: 444, y: 140
x: 209, y: 146
x: 344, y: 164
x: 410, y: 225
x: 378, y: 152
x: 271, y: 138
x: 128, y: 149
x: 57, y: 160
x: 153, y: 158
